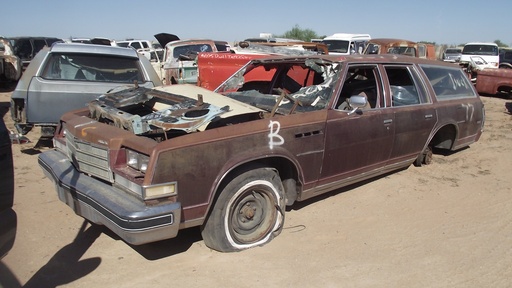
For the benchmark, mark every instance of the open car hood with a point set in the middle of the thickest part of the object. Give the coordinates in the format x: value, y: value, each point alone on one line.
x: 101, y: 41
x: 185, y: 108
x: 164, y: 38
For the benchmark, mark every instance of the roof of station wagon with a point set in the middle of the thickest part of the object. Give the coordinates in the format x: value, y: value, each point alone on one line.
x: 362, y: 58
x: 93, y: 49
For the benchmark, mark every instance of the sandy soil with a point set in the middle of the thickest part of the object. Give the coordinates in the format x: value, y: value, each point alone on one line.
x: 448, y: 224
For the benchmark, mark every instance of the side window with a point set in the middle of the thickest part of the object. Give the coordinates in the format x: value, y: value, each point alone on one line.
x: 372, y: 49
x: 135, y: 45
x: 364, y: 81
x: 448, y: 83
x: 52, y: 69
x: 23, y: 48
x: 422, y: 50
x: 38, y: 45
x: 403, y: 89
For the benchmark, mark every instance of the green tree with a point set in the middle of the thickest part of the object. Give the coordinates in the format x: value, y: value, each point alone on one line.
x: 300, y: 34
x: 500, y: 44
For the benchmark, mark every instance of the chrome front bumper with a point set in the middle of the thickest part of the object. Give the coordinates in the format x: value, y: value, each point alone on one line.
x: 101, y: 203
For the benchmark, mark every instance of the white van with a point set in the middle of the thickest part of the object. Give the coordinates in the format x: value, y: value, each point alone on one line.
x: 479, y: 50
x: 346, y: 44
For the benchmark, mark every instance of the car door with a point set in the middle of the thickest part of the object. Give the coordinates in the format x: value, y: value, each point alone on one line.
x: 414, y: 114
x: 358, y: 143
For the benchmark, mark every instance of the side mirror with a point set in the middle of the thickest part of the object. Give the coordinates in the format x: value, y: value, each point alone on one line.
x: 357, y: 102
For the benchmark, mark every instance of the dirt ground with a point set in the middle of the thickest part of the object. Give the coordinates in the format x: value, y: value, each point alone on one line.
x: 448, y: 224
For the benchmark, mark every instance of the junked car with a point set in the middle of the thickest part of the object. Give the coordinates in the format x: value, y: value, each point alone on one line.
x: 10, y: 64
x: 476, y: 56
x: 180, y: 66
x: 147, y: 163
x: 494, y: 82
x: 214, y: 68
x: 452, y: 54
x: 8, y: 217
x: 400, y: 46
x: 144, y: 47
x: 26, y: 48
x: 68, y: 76
x: 505, y: 58
x: 179, y: 59
x: 94, y: 40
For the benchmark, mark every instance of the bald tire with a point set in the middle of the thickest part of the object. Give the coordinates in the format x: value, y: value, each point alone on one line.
x: 248, y: 213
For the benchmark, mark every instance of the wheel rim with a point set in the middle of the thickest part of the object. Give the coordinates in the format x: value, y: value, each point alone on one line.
x: 252, y: 215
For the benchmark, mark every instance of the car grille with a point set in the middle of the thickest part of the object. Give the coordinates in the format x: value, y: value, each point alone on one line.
x: 88, y: 158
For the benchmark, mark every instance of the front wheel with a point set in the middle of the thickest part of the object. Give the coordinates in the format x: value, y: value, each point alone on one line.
x: 249, y: 212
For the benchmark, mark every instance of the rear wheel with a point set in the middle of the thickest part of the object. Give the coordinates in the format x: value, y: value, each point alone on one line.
x: 425, y: 157
x: 249, y: 212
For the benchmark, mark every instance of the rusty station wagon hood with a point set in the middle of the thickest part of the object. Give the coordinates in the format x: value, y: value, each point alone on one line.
x: 185, y: 108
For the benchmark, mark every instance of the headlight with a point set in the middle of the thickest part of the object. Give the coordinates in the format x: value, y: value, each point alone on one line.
x: 136, y: 160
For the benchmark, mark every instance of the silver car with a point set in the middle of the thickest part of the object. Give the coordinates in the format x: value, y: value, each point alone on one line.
x: 68, y: 76
x: 452, y: 54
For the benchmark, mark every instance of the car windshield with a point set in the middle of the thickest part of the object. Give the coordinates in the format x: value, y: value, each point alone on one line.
x: 453, y: 51
x: 92, y: 67
x: 188, y: 49
x: 480, y: 49
x: 339, y: 46
x: 403, y: 50
x: 283, y: 88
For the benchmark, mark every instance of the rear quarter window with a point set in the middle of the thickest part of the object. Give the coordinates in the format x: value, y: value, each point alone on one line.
x: 448, y: 83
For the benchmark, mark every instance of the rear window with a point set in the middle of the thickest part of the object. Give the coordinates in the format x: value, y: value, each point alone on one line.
x: 91, y: 67
x: 448, y: 83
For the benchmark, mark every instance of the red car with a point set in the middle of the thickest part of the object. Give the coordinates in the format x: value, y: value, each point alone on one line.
x: 494, y: 81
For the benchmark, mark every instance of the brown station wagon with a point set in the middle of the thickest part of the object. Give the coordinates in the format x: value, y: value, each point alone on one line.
x: 149, y: 162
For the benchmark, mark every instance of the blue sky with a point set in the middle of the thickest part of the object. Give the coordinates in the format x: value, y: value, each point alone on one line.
x: 443, y: 22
